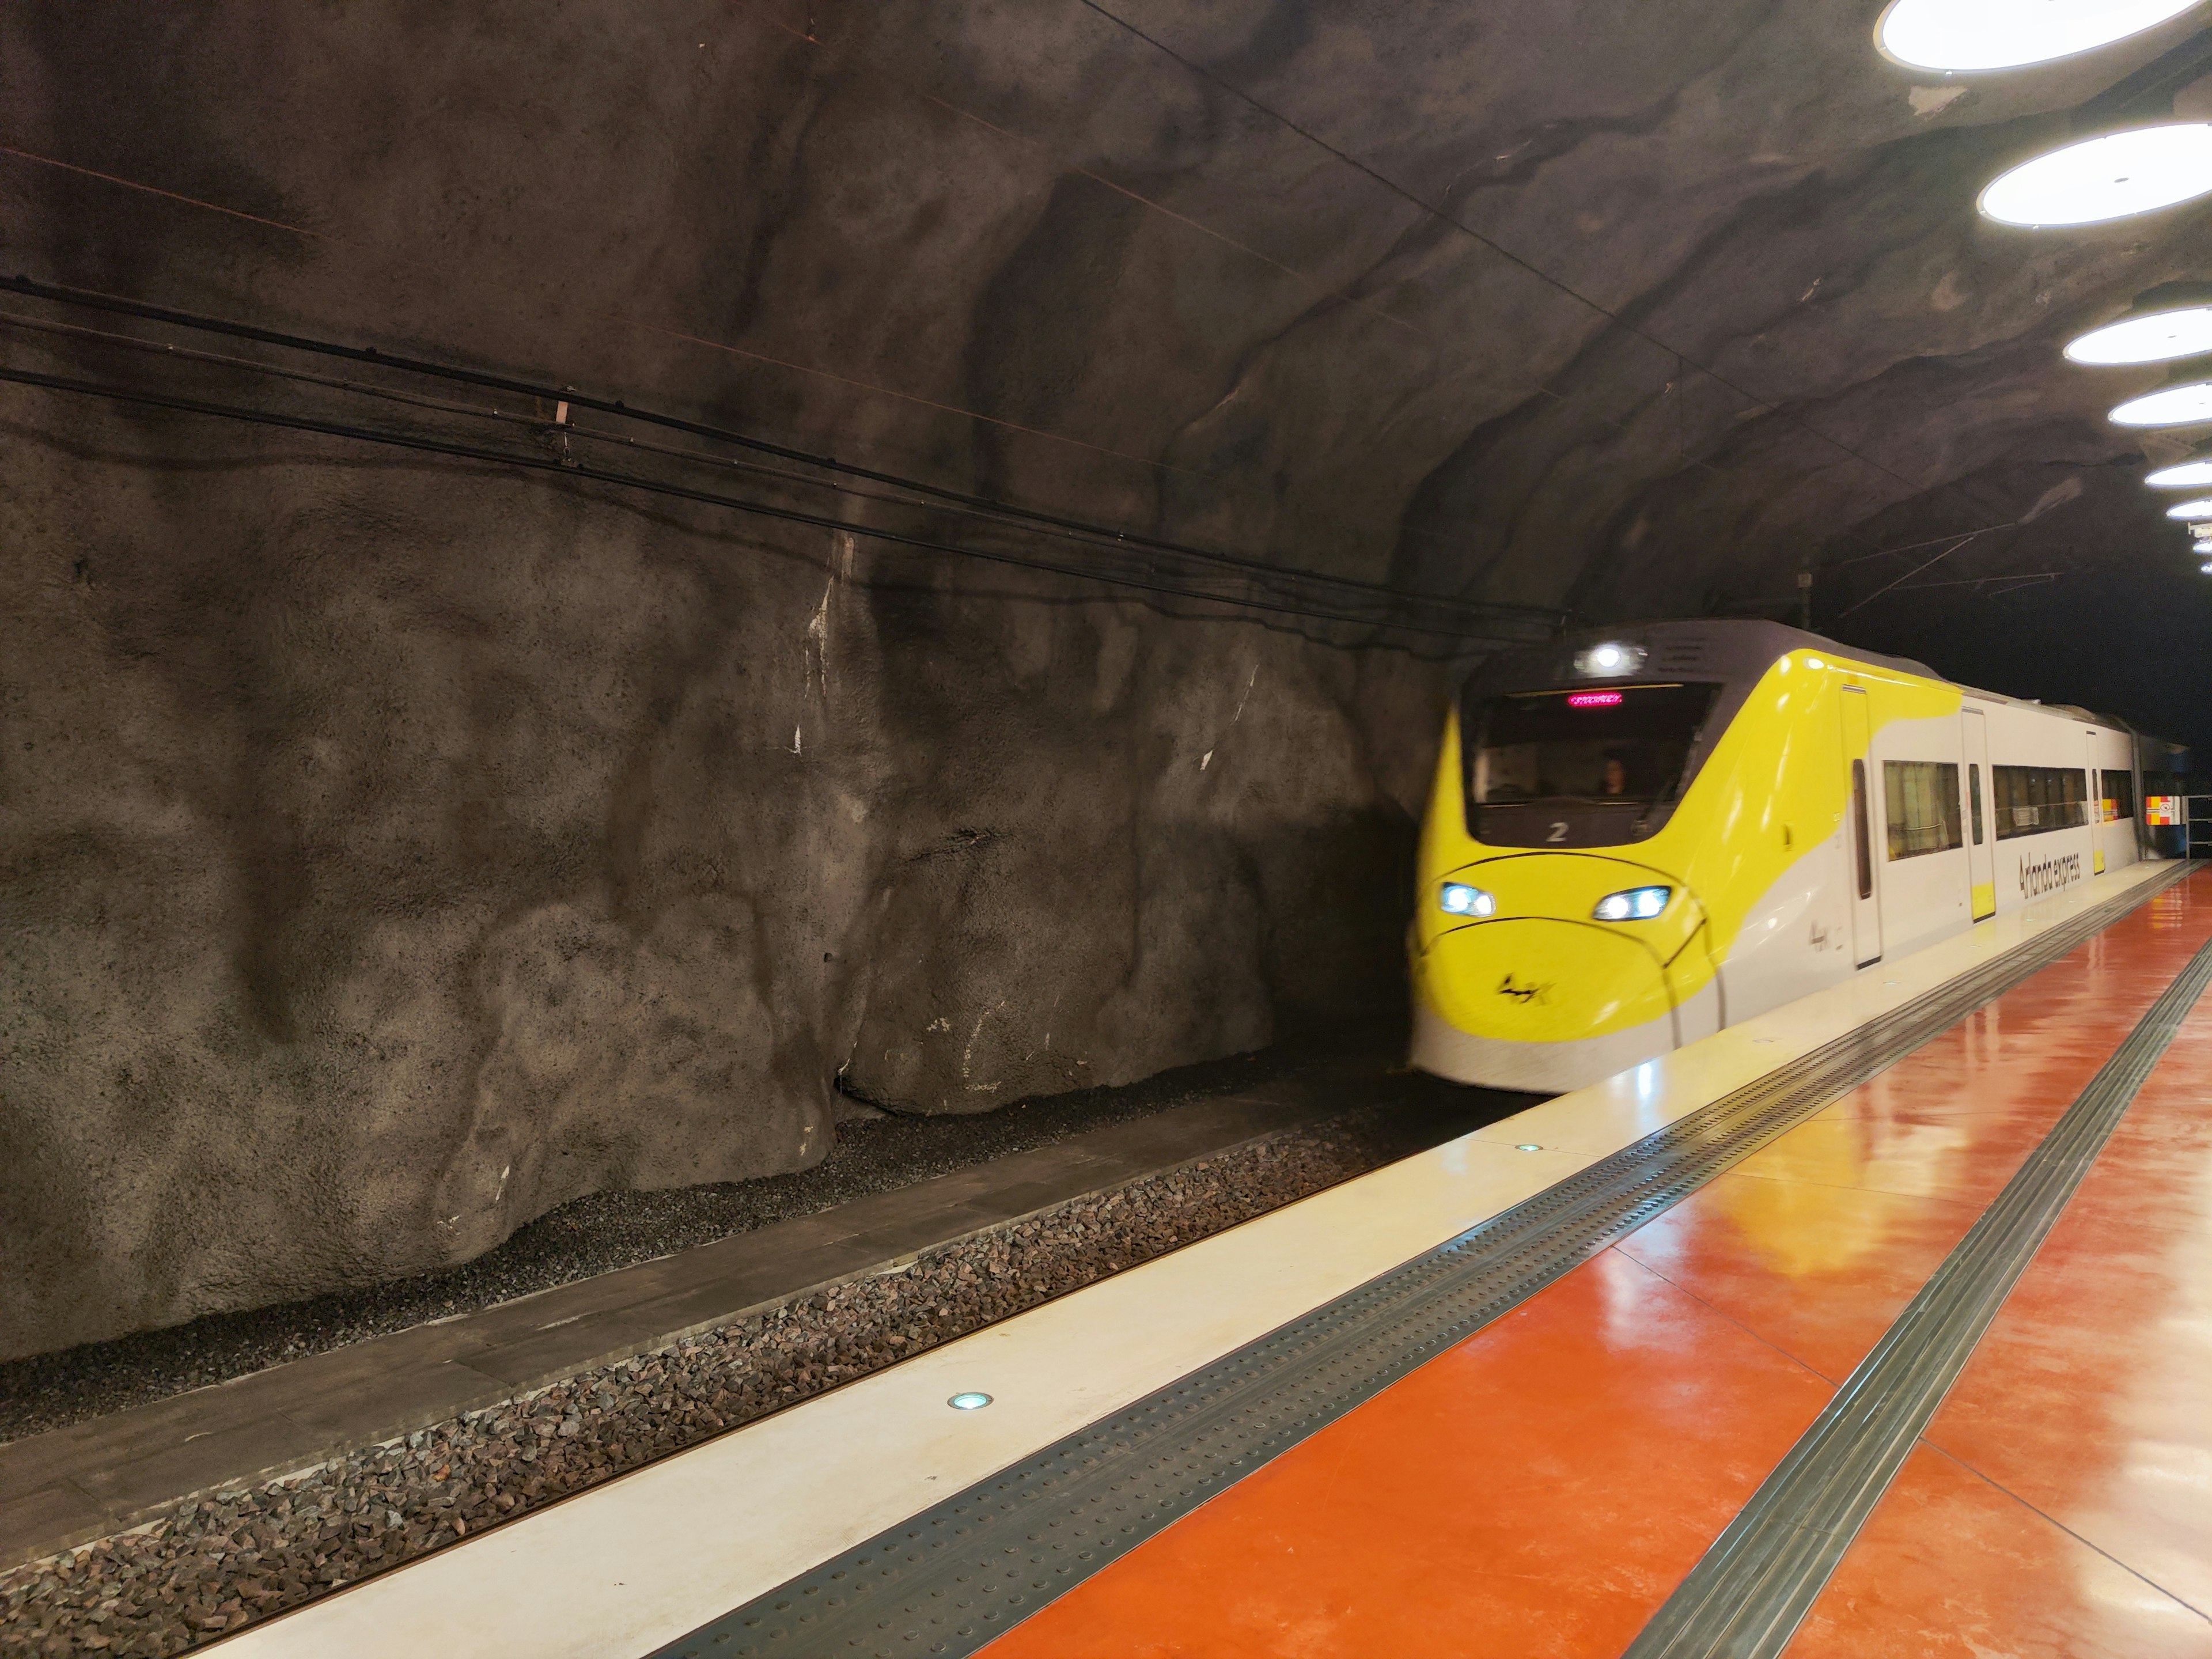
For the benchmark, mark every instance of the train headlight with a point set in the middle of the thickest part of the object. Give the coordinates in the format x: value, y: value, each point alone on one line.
x: 1636, y: 904
x: 1612, y: 658
x: 1458, y: 899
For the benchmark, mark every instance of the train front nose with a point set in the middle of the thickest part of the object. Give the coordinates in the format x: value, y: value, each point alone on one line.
x: 1539, y: 993
x: 1530, y: 979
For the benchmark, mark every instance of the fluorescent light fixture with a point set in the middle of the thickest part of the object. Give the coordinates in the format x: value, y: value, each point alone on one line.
x: 2150, y: 333
x: 2206, y: 569
x: 2195, y: 473
x: 969, y: 1402
x: 1966, y: 36
x: 2122, y: 173
x: 1636, y: 904
x: 2200, y: 508
x: 2187, y: 404
x: 1458, y: 899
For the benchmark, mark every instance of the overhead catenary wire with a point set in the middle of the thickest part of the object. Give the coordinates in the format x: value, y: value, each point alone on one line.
x: 536, y: 421
x: 1925, y: 564
x: 62, y: 294
x: 1961, y: 536
x: 2020, y: 579
x: 570, y: 469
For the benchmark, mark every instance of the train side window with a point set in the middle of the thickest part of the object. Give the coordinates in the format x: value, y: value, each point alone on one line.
x: 1863, y: 837
x: 2119, y: 796
x: 1974, y: 794
x: 1920, y: 799
x: 2032, y: 799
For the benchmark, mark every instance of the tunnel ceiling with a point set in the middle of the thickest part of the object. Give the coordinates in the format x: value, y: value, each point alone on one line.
x: 1606, y: 308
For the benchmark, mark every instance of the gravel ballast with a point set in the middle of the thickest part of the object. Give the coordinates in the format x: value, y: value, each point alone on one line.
x: 222, y: 1562
x: 873, y: 1152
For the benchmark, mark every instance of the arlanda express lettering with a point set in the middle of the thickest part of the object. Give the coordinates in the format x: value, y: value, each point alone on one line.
x: 2048, y: 875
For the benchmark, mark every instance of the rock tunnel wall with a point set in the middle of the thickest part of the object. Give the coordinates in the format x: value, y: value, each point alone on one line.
x: 395, y: 848
x: 393, y: 852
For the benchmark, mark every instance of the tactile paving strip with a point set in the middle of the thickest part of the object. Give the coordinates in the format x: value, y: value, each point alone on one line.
x: 968, y: 1569
x: 1747, y: 1595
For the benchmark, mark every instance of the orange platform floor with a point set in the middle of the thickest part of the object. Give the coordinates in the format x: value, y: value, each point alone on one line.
x: 1541, y: 1489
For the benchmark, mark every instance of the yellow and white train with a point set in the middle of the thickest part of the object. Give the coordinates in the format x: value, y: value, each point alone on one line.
x: 1639, y: 837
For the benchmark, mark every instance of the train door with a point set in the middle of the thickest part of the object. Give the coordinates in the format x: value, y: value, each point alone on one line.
x: 1866, y: 903
x: 2095, y: 781
x: 1981, y: 864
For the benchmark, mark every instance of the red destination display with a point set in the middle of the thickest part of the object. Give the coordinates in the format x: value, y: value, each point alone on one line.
x: 1593, y: 699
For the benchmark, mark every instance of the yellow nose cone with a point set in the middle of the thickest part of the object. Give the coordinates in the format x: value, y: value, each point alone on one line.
x: 1534, y: 980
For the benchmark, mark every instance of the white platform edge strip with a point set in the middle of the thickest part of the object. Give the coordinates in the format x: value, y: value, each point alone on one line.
x: 645, y: 1559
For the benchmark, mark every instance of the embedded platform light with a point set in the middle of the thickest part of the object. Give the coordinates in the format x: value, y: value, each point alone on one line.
x: 1636, y: 904
x: 2119, y: 175
x: 969, y: 1402
x: 1528, y: 1147
x: 2188, y: 404
x: 2171, y: 321
x: 1458, y: 899
x: 1610, y: 658
x: 1968, y: 36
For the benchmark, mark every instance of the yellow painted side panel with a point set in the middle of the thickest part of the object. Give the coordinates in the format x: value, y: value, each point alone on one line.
x: 1985, y: 899
x: 2099, y: 862
x: 1774, y: 786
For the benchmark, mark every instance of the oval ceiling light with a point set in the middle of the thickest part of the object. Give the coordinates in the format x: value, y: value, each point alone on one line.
x: 2172, y: 320
x: 2195, y: 473
x: 2114, y: 177
x: 2187, y: 404
x: 1964, y: 36
x: 2198, y: 509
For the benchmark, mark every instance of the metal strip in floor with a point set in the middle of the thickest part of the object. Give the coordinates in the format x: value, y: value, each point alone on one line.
x: 963, y: 1572
x: 1746, y: 1597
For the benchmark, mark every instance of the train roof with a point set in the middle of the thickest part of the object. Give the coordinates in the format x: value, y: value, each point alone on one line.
x: 1734, y: 648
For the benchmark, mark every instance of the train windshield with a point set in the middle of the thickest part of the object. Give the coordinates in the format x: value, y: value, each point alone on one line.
x: 1617, y: 749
